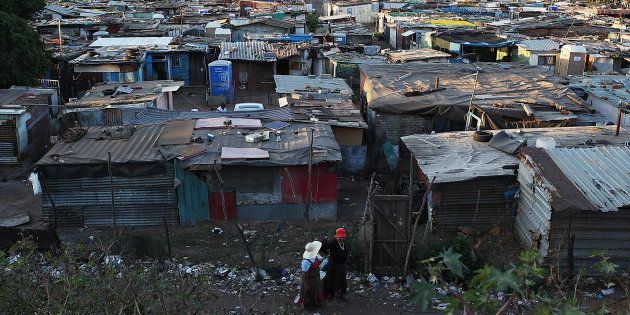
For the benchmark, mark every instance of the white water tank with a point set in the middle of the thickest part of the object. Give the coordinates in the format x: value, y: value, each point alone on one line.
x: 546, y: 143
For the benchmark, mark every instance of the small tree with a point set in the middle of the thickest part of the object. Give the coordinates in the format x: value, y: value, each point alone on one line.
x: 22, y: 8
x: 312, y: 22
x: 23, y: 56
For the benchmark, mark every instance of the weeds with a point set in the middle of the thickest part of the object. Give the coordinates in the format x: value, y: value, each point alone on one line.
x: 518, y: 289
x: 72, y: 280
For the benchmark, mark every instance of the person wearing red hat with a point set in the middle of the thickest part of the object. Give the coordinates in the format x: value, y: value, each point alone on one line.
x: 335, y: 285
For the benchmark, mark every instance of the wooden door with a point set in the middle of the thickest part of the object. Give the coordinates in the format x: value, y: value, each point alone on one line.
x: 196, y: 69
x: 390, y: 238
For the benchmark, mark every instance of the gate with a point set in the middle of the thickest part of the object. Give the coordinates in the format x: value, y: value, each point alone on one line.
x: 390, y: 233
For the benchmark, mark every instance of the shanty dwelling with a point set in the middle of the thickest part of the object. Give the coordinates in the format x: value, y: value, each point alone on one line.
x: 327, y: 100
x: 405, y: 99
x: 474, y: 46
x: 262, y: 26
x: 605, y: 94
x: 574, y: 202
x: 25, y: 123
x: 246, y: 177
x: 410, y: 33
x: 364, y: 12
x: 475, y: 182
x: 254, y: 63
x: 418, y: 55
x: 346, y: 66
x: 109, y: 65
x: 117, y: 104
x: 76, y: 173
x: 187, y: 63
x: 572, y: 60
x: 537, y: 52
x: 118, y: 59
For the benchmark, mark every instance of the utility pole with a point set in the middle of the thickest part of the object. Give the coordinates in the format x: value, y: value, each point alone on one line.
x: 59, y: 31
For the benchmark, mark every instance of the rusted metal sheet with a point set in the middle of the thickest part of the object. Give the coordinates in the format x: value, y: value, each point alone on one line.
x: 177, y: 132
x: 565, y: 195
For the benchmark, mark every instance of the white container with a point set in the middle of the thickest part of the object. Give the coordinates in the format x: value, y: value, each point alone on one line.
x: 546, y: 143
x: 37, y: 187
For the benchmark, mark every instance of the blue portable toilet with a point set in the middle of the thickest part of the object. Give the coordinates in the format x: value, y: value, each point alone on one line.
x: 220, y: 77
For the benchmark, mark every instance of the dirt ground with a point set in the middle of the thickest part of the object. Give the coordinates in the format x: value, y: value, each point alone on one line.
x: 16, y: 196
x: 277, y: 248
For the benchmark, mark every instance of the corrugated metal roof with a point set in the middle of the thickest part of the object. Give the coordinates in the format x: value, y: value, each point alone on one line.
x: 539, y: 44
x: 292, y: 148
x: 140, y: 147
x: 60, y: 10
x: 248, y: 51
x: 590, y: 179
x: 602, y: 174
x: 152, y: 116
x: 131, y: 41
x: 272, y: 22
x: 294, y: 84
x: 455, y: 156
x: 257, y: 51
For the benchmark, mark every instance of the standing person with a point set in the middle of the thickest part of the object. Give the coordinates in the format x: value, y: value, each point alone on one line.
x: 335, y: 280
x: 311, y: 294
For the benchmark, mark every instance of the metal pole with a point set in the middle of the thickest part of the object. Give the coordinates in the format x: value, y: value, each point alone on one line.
x: 309, y: 191
x: 59, y: 31
x: 111, y: 186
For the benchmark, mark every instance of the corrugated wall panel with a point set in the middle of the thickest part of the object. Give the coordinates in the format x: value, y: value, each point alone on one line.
x: 8, y: 153
x: 138, y: 200
x: 594, y: 231
x: 459, y: 201
x: 534, y: 213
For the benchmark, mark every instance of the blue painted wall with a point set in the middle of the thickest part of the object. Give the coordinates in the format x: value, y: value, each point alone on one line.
x: 181, y: 73
x: 353, y: 158
x: 177, y: 73
x: 192, y: 197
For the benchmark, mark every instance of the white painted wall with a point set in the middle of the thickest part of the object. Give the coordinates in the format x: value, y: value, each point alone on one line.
x: 363, y: 13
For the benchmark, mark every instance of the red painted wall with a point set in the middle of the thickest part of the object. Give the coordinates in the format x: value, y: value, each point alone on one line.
x: 324, y: 184
x: 216, y: 205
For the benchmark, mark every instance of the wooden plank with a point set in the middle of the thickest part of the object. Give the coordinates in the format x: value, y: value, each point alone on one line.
x: 228, y: 153
x: 394, y: 225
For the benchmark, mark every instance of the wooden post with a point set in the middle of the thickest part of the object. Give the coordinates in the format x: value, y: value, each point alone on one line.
x: 618, y: 121
x: 52, y: 203
x: 111, y: 186
x: 415, y: 225
x: 247, y: 248
x: 437, y: 84
x: 216, y: 169
x: 60, y: 39
x: 309, y: 191
x: 168, y: 236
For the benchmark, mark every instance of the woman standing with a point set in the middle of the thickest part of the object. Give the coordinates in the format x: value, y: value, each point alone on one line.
x: 335, y: 280
x: 311, y: 294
